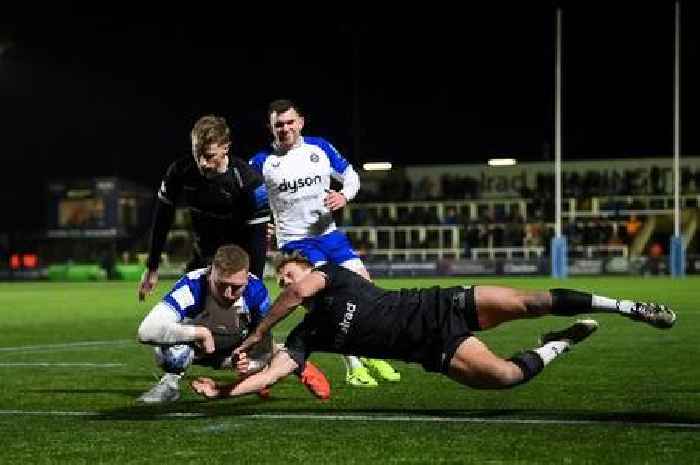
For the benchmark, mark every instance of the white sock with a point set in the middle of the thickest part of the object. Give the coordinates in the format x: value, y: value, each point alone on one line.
x: 351, y: 362
x: 552, y: 350
x: 607, y: 305
x: 173, y: 378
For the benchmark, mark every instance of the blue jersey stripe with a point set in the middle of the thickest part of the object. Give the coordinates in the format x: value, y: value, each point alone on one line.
x: 338, y: 162
x: 188, y: 296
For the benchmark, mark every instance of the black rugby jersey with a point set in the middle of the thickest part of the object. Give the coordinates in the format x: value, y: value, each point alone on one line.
x: 219, y: 207
x: 353, y: 316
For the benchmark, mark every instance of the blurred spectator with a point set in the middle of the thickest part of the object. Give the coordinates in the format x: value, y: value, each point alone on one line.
x: 655, y: 254
x: 533, y: 234
x: 632, y: 228
x: 656, y: 250
x: 451, y: 216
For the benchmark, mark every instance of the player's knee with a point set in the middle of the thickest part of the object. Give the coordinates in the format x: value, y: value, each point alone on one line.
x: 513, y: 377
x: 509, y: 303
x: 535, y: 303
x: 515, y: 304
x: 148, y: 332
x: 503, y: 376
x: 494, y: 374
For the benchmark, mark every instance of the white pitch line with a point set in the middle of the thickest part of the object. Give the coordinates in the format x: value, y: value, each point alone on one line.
x: 51, y: 413
x: 437, y: 419
x: 57, y: 413
x: 68, y: 345
x: 365, y: 418
x: 61, y: 364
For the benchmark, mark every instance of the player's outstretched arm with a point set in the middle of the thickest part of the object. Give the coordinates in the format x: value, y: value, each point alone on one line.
x: 281, y: 365
x: 163, y: 326
x: 162, y: 221
x: 257, y: 358
x: 286, y: 302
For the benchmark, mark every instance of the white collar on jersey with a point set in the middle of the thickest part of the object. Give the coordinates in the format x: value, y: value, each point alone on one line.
x: 278, y: 151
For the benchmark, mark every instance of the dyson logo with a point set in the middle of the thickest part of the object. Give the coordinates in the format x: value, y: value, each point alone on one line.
x: 295, y: 184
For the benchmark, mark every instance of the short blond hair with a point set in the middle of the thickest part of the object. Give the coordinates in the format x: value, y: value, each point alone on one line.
x: 230, y: 259
x: 209, y: 130
x: 293, y: 257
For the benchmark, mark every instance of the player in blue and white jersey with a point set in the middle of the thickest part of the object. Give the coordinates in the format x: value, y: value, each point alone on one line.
x: 204, y: 317
x: 297, y: 172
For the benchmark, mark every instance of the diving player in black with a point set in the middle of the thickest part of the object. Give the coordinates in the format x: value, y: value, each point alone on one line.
x: 219, y: 191
x: 433, y: 327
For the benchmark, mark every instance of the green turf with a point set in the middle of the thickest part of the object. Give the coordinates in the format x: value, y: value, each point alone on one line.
x: 613, y: 400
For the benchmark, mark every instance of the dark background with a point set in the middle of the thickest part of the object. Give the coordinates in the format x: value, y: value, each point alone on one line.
x: 97, y: 94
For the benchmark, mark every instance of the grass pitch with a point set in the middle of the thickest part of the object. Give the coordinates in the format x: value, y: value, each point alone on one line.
x: 70, y: 369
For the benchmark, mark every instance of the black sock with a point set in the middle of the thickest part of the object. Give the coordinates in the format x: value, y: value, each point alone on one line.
x: 567, y: 302
x: 529, y: 363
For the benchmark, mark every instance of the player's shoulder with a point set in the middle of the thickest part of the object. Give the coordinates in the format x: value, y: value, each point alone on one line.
x: 320, y: 142
x: 255, y: 293
x: 181, y: 169
x: 182, y: 164
x: 258, y: 158
x: 189, y: 289
x: 254, y: 282
x: 334, y: 156
x: 192, y: 278
x: 243, y: 173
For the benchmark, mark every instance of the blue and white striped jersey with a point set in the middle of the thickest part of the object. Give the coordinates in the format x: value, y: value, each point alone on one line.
x: 190, y: 296
x: 296, y: 183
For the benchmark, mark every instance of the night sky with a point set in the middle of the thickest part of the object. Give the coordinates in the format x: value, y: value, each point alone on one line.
x: 93, y: 94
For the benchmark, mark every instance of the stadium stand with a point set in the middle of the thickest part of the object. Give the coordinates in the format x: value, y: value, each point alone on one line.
x: 613, y: 213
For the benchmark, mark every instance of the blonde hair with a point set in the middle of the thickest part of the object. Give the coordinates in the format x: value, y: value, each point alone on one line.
x: 230, y: 259
x: 209, y: 130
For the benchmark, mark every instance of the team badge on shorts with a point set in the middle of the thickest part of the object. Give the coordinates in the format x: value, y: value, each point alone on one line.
x: 314, y: 157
